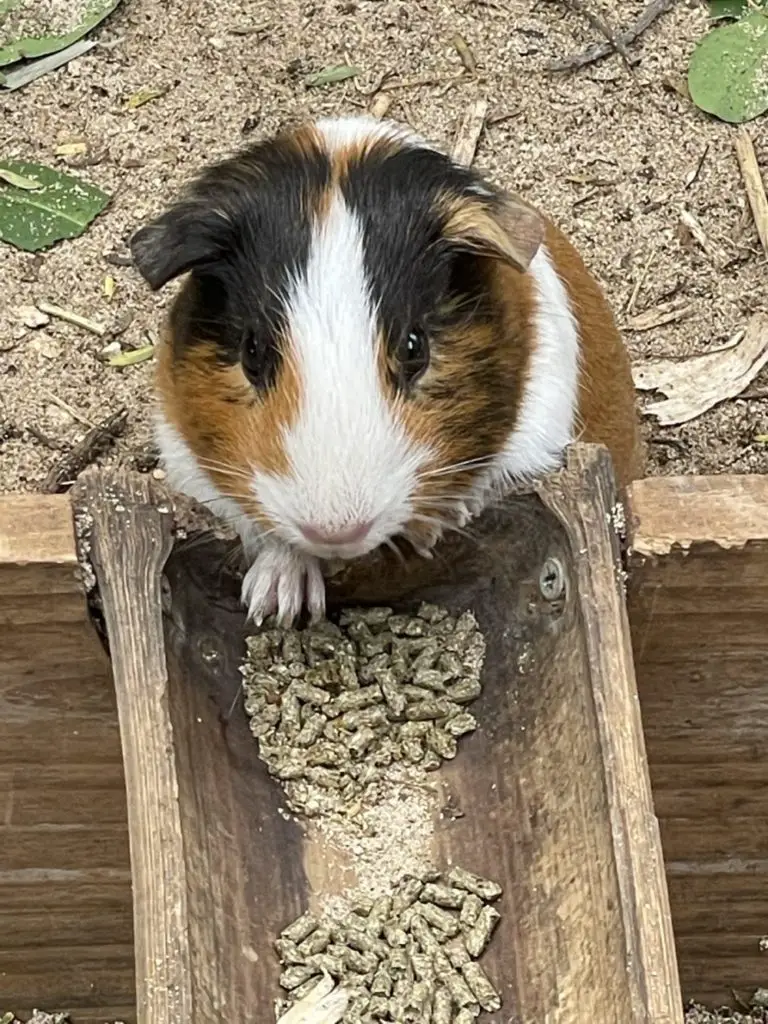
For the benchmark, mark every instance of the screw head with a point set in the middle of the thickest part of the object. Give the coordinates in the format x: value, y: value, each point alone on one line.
x: 552, y: 579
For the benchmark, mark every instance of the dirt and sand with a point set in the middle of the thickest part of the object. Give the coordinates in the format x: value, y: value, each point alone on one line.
x: 609, y: 154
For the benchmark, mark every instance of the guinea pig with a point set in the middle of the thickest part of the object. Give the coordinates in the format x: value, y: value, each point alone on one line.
x: 372, y: 342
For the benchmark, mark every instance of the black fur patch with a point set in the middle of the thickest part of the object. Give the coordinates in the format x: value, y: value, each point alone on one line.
x: 243, y: 229
x: 416, y: 278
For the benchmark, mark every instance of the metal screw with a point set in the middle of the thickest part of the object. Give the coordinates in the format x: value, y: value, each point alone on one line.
x: 552, y: 580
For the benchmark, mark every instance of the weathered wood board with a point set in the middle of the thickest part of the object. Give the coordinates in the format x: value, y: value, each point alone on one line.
x: 66, y: 937
x: 698, y: 605
x: 554, y: 785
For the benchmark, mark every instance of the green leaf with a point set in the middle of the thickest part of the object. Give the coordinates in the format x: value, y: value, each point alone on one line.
x: 331, y: 75
x: 19, y: 181
x: 726, y: 9
x: 62, y: 207
x: 132, y: 356
x: 728, y: 72
x: 26, y: 71
x: 13, y: 49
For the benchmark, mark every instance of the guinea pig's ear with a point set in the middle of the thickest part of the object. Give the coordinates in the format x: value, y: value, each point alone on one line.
x: 184, y: 237
x: 500, y: 226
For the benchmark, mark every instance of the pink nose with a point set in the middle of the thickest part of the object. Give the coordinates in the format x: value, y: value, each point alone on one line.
x: 346, y: 535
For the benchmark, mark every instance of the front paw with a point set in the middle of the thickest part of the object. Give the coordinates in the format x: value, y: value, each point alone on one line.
x: 283, y: 580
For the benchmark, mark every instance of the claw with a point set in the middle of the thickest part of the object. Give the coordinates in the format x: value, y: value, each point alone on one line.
x: 284, y: 580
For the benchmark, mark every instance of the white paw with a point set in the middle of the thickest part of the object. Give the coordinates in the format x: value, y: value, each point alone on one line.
x: 463, y: 514
x: 283, y: 580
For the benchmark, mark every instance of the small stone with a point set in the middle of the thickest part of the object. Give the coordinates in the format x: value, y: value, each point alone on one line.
x: 32, y: 317
x: 112, y: 348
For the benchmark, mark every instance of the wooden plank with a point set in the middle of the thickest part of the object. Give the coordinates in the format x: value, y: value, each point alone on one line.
x: 563, y: 745
x: 698, y: 604
x: 128, y: 542
x: 63, y: 847
x: 36, y: 529
x: 105, y: 973
x: 585, y: 507
x: 125, y: 1014
x: 65, y: 889
x: 669, y: 513
x: 66, y: 913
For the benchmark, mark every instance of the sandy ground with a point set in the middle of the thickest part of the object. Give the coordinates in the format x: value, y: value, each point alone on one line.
x: 609, y: 155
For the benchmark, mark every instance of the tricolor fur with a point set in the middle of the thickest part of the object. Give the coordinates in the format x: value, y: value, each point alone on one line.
x: 287, y: 392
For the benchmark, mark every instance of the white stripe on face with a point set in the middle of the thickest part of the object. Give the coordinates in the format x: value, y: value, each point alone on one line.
x: 350, y: 459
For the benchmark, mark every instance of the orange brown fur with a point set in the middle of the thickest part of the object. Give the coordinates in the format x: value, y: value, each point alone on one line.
x: 466, y: 361
x: 607, y: 413
x: 222, y: 418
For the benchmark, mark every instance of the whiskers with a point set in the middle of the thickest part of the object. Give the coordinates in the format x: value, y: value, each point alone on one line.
x: 467, y: 466
x: 226, y: 469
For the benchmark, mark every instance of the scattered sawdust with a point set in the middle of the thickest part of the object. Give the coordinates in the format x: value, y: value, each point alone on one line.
x: 389, y: 838
x: 609, y: 156
x: 37, y: 18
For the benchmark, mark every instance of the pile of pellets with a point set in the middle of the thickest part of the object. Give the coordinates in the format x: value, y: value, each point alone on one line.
x: 410, y: 956
x: 333, y: 706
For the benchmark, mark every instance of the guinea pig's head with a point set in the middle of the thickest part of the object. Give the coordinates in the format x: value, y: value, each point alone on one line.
x: 348, y: 352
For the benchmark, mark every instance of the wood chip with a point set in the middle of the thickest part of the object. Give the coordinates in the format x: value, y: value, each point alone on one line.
x: 466, y: 56
x: 380, y: 105
x: 465, y: 146
x: 658, y: 316
x: 753, y: 183
x: 692, y: 386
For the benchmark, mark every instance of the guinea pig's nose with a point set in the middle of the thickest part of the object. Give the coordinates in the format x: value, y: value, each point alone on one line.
x: 352, y: 534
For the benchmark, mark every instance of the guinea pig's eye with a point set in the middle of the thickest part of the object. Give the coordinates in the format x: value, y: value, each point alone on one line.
x: 260, y: 358
x: 414, y: 354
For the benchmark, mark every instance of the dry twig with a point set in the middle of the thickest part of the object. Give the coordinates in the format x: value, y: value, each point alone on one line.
x: 640, y: 280
x: 598, y: 51
x: 68, y: 409
x: 597, y: 23
x: 753, y: 183
x: 465, y: 146
x: 72, y: 318
x: 98, y: 440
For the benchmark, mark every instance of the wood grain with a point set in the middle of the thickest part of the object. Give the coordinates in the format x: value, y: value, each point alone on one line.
x: 128, y: 539
x: 588, y: 511
x: 65, y: 889
x: 698, y: 604
x: 553, y: 785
